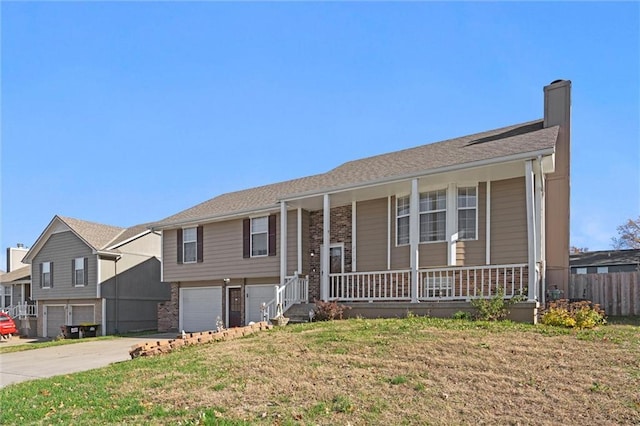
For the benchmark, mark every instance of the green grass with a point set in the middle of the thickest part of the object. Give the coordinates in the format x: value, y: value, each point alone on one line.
x: 49, y: 343
x: 360, y: 371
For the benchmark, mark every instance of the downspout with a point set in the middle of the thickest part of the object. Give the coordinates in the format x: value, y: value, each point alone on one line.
x: 531, y: 230
x: 117, y: 305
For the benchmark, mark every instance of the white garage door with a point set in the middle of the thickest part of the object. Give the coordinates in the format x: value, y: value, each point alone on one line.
x: 82, y: 314
x: 256, y: 295
x: 200, y: 308
x: 55, y: 317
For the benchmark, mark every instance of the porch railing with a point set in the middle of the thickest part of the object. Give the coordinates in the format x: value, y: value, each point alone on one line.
x: 366, y: 286
x: 472, y: 282
x: 449, y: 283
x: 294, y: 290
x: 21, y: 310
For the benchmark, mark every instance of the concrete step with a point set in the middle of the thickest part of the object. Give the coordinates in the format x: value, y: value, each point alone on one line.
x: 299, y: 313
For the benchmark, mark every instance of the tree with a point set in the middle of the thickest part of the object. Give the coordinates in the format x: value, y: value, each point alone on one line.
x: 576, y: 250
x: 628, y: 235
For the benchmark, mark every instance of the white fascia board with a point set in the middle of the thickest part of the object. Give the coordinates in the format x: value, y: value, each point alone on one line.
x: 128, y: 240
x: 275, y: 208
x: 473, y: 165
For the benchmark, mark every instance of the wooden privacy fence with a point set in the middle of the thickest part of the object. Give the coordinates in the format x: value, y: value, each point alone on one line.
x: 618, y: 293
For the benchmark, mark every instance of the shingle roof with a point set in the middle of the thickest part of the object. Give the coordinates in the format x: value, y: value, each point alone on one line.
x: 18, y: 274
x: 96, y: 235
x: 128, y: 234
x: 494, y: 144
x: 605, y: 258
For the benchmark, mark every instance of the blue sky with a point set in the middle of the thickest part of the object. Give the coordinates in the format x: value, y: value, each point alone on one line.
x: 128, y: 112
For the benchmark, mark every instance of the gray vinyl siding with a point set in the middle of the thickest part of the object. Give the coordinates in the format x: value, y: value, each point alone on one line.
x: 222, y: 255
x: 371, y: 235
x: 60, y: 249
x: 473, y: 252
x: 508, y: 221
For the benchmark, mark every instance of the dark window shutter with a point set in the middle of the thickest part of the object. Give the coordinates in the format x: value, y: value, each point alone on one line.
x: 41, y: 277
x: 51, y: 272
x: 73, y: 272
x: 86, y: 271
x: 179, y: 245
x: 246, y: 238
x: 199, y: 244
x: 272, y: 235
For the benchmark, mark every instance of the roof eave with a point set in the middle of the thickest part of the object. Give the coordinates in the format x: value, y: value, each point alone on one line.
x: 457, y: 167
x: 215, y: 218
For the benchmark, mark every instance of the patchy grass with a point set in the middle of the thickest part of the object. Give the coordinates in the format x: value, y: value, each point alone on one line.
x: 360, y: 371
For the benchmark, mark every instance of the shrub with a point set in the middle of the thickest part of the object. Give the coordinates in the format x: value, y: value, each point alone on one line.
x: 328, y: 311
x: 495, y: 308
x: 581, y: 314
x: 462, y: 315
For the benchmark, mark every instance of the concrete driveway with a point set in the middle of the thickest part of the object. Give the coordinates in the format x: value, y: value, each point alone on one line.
x: 52, y: 361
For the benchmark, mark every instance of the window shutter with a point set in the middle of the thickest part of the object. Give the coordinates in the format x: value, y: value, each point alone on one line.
x: 86, y: 271
x: 73, y: 272
x: 51, y: 272
x: 199, y: 244
x: 179, y: 245
x: 272, y: 235
x: 246, y: 238
x: 41, y: 275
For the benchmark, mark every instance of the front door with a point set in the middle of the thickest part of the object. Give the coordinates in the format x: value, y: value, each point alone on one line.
x: 235, y: 307
x: 336, y: 266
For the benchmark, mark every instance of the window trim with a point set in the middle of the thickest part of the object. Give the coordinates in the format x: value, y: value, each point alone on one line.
x: 74, y: 278
x: 420, y: 213
x: 252, y: 233
x: 398, y: 217
x: 43, y: 272
x: 476, y: 208
x: 185, y: 242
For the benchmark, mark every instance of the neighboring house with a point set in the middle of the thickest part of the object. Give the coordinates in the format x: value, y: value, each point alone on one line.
x: 424, y: 229
x: 84, y: 272
x: 16, y: 282
x: 605, y: 261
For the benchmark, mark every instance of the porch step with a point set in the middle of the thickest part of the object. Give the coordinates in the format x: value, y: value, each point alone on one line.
x: 299, y: 313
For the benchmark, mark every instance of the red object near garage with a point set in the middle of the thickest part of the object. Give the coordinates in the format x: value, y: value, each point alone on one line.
x: 7, y: 325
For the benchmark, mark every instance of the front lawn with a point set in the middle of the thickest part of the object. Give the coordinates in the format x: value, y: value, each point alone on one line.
x: 396, y: 371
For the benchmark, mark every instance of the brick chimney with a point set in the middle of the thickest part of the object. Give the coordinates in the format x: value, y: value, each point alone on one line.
x: 557, y: 112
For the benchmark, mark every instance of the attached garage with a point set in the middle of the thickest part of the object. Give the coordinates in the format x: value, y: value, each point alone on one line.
x: 54, y: 318
x: 256, y: 296
x: 82, y: 314
x: 200, y: 308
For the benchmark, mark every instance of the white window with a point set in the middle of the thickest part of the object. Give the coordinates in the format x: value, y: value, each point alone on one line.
x: 78, y: 271
x: 189, y: 244
x: 581, y: 270
x: 259, y: 236
x: 602, y: 270
x: 467, y: 217
x: 7, y: 291
x: 433, y: 216
x: 402, y: 217
x: 45, y: 278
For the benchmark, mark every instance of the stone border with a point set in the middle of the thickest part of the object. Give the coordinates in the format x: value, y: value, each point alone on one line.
x: 165, y: 346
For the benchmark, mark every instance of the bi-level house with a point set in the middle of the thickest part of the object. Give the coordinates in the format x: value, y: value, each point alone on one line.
x: 89, y: 273
x: 425, y: 229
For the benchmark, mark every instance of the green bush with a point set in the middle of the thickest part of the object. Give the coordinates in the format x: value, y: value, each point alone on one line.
x: 462, y: 315
x: 495, y: 308
x: 582, y: 314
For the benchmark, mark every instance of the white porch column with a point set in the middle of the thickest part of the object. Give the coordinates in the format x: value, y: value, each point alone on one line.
x: 299, y: 217
x: 326, y: 242
x: 531, y: 229
x: 540, y: 224
x: 452, y: 224
x: 414, y: 237
x: 488, y: 225
x: 283, y: 242
x: 354, y: 242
